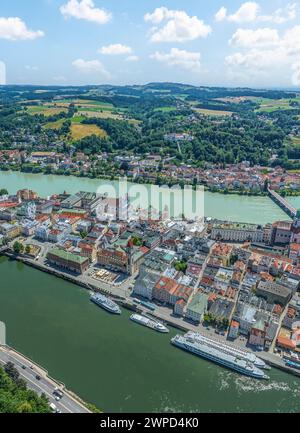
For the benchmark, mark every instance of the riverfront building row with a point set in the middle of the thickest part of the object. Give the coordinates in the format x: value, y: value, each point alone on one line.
x: 241, y: 279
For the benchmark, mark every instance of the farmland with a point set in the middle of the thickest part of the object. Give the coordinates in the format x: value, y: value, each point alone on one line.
x: 206, y: 112
x: 46, y: 110
x: 79, y: 131
x: 270, y: 105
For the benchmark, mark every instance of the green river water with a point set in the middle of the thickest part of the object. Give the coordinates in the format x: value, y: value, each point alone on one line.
x: 113, y: 362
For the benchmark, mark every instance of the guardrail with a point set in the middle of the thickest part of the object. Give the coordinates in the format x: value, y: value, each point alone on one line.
x: 282, y: 203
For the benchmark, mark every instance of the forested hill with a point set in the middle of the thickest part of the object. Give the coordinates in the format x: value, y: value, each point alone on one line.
x: 216, y: 124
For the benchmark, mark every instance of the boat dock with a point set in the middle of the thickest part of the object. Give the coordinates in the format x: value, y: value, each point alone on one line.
x: 282, y: 203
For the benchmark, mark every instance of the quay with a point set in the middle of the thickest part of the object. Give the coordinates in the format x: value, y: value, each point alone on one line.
x: 162, y: 314
x: 282, y: 203
x: 29, y: 371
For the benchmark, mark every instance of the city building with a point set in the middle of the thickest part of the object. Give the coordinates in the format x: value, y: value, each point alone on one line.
x: 69, y: 261
x: 197, y: 307
x: 144, y: 284
x: 274, y: 292
x: 237, y: 232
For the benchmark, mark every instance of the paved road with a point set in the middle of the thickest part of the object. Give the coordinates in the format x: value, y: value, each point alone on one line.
x: 45, y: 385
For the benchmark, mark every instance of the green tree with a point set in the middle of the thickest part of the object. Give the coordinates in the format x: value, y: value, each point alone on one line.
x: 180, y: 266
x: 15, y: 397
x: 18, y: 247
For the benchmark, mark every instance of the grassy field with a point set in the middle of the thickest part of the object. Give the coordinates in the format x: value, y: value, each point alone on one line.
x: 166, y: 109
x: 269, y: 105
x: 46, y: 110
x: 296, y: 141
x: 100, y: 114
x: 79, y: 131
x: 54, y: 125
x: 212, y: 112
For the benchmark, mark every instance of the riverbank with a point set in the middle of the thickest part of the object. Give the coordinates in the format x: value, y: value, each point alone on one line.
x: 162, y: 314
x: 29, y: 370
x: 247, y: 209
x: 165, y: 181
x: 110, y: 361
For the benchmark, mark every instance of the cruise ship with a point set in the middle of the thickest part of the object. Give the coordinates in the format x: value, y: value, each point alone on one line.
x: 218, y: 356
x: 235, y: 351
x: 145, y: 321
x: 105, y: 303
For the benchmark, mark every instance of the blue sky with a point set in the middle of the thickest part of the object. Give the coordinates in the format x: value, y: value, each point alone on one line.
x: 215, y: 42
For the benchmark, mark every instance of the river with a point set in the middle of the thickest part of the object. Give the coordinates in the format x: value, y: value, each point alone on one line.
x: 113, y: 362
x: 253, y: 209
x: 117, y: 364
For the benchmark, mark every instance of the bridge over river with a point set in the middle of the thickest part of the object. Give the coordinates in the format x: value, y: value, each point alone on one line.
x: 282, y: 203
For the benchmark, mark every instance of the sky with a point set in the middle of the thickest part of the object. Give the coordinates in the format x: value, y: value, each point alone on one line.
x: 212, y: 43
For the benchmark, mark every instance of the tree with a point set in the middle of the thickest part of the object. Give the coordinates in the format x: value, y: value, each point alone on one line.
x: 27, y: 249
x: 24, y: 408
x: 14, y: 395
x: 83, y: 234
x: 180, y: 266
x: 137, y: 241
x: 11, y: 371
x: 3, y: 191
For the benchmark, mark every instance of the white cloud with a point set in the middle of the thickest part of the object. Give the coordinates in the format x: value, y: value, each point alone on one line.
x: 254, y: 38
x: 266, y: 50
x: 250, y: 12
x: 281, y: 15
x: 115, y: 49
x: 14, y: 29
x: 85, y: 10
x: 221, y: 14
x: 90, y: 66
x: 178, y: 26
x: 181, y: 58
x: 132, y: 59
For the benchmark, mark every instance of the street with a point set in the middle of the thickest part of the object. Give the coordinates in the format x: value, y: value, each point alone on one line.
x: 67, y: 404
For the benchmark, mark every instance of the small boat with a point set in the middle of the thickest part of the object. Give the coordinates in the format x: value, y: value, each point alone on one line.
x: 293, y: 364
x: 148, y: 305
x: 149, y: 323
x: 136, y: 300
x: 105, y: 303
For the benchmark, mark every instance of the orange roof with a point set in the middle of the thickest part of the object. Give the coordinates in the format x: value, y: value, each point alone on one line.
x: 295, y: 247
x: 212, y: 297
x: 167, y: 284
x: 8, y: 204
x: 42, y: 218
x: 286, y: 342
x: 234, y: 324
